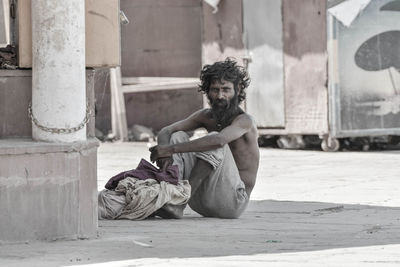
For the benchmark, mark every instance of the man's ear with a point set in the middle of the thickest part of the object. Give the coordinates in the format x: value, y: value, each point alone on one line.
x: 237, y: 92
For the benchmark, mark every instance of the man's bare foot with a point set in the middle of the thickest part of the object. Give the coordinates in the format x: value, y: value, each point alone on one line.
x: 171, y: 211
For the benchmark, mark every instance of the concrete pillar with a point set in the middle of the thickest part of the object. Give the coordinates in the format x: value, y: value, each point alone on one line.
x: 58, y: 69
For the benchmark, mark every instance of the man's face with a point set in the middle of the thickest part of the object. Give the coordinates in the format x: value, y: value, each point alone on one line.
x: 221, y: 94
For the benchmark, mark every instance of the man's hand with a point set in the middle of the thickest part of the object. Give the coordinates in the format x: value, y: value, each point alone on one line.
x: 163, y: 163
x: 159, y: 152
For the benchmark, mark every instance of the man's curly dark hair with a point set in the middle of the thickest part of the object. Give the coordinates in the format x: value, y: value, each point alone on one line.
x: 227, y: 70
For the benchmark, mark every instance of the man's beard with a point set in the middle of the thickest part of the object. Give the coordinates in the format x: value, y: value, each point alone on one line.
x: 224, y: 111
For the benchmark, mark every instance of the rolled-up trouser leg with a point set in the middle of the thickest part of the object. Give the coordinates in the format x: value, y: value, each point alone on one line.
x: 223, y: 194
x: 185, y: 161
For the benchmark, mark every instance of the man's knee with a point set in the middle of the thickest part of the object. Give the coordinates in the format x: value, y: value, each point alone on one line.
x: 231, y: 212
x: 222, y: 207
x: 210, y: 210
x: 213, y: 157
x: 179, y: 137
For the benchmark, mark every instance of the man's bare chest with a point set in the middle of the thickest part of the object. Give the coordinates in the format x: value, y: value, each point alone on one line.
x: 211, y: 125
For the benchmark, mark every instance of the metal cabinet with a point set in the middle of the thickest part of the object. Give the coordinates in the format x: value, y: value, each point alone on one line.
x: 364, y: 70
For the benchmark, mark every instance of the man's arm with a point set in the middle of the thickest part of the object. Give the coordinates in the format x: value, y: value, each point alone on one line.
x: 192, y: 122
x: 241, y: 125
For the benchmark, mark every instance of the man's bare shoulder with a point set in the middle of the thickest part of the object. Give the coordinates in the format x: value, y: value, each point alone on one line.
x: 202, y: 114
x: 245, y: 120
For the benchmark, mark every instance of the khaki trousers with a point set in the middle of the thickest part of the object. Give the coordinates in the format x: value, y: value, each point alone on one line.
x: 223, y: 193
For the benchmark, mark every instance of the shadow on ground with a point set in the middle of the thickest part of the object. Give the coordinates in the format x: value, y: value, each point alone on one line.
x: 266, y: 227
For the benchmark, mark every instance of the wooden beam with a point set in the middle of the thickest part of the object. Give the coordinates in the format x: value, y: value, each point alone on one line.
x: 156, y: 87
x: 143, y: 80
x: 118, y: 106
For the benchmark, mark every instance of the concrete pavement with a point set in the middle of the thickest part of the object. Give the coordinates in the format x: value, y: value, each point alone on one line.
x: 309, y: 208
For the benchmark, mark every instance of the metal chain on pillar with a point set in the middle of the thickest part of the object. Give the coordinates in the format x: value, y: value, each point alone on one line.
x: 60, y: 130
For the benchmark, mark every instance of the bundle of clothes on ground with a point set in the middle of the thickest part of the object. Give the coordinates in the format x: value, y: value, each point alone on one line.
x: 138, y: 193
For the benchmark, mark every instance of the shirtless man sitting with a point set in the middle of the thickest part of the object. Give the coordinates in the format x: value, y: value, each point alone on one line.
x: 222, y: 166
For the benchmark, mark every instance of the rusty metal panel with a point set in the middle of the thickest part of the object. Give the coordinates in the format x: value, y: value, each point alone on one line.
x: 365, y: 71
x: 305, y: 61
x: 262, y: 24
x: 163, y: 38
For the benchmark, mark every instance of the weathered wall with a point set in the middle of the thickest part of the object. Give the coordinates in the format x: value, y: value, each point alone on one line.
x: 102, y: 100
x: 262, y: 31
x: 4, y: 35
x: 305, y: 58
x: 163, y: 38
x: 222, y: 32
x: 305, y: 64
x: 47, y: 191
x: 15, y: 95
x: 102, y: 33
x: 158, y: 109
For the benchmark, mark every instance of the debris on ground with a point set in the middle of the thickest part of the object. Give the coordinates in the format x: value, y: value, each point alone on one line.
x: 374, y: 229
x: 99, y: 134
x: 140, y: 133
x: 8, y: 58
x: 110, y: 137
